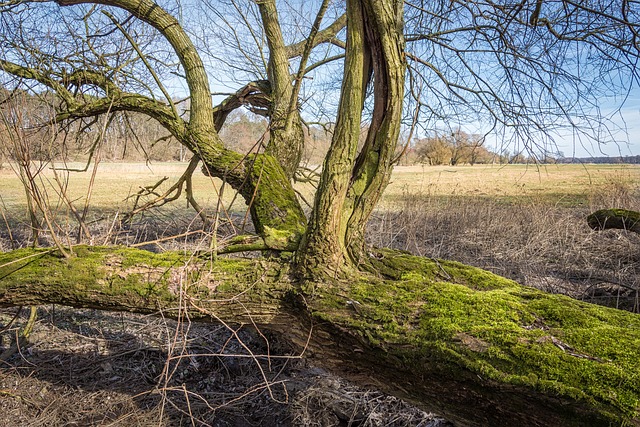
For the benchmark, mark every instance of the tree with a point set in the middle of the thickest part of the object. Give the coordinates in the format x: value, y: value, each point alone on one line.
x: 457, y: 147
x: 435, y: 151
x: 445, y: 336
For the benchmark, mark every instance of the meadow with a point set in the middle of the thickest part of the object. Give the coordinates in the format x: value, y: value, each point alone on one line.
x: 566, y: 184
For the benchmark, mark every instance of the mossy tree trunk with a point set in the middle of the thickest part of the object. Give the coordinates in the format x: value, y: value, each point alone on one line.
x: 615, y: 218
x: 260, y: 179
x: 286, y: 141
x: 352, y: 182
x: 474, y: 347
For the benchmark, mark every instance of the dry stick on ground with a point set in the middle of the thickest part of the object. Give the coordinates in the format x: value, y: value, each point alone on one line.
x: 23, y: 336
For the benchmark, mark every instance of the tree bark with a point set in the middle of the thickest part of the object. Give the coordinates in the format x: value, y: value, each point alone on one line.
x: 351, y: 182
x: 324, y: 249
x: 469, y: 345
x: 286, y: 141
x: 372, y: 171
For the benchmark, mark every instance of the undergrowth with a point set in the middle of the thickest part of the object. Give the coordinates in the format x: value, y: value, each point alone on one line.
x: 135, y: 370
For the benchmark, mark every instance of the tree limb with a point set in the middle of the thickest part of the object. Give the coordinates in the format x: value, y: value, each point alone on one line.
x: 323, y: 36
x: 256, y: 94
x: 469, y: 345
x: 201, y: 119
x: 605, y: 219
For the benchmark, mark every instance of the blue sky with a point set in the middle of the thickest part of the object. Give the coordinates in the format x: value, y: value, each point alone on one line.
x: 625, y: 140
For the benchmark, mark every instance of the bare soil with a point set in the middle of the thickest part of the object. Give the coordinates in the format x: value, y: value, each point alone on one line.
x: 93, y: 368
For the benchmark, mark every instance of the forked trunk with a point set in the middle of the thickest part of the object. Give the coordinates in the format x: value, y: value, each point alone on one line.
x: 351, y: 182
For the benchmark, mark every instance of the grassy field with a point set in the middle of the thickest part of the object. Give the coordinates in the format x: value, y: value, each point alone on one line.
x: 564, y: 184
x: 503, y: 218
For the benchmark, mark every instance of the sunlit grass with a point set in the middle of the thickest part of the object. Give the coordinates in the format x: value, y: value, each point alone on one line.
x: 557, y: 184
x: 568, y: 185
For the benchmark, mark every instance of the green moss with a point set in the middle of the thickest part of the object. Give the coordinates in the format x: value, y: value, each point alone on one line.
x: 437, y: 318
x: 274, y: 204
x: 280, y: 239
x: 89, y: 270
x: 122, y: 276
x: 266, y: 189
x: 615, y: 218
x: 401, y: 265
x: 444, y: 315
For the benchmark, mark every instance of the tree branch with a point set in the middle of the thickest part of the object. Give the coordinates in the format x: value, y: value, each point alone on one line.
x: 453, y: 339
x: 145, y: 61
x: 323, y: 36
x: 255, y: 94
x: 201, y: 118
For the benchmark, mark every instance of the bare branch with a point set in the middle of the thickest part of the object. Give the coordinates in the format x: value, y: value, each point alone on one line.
x: 327, y: 35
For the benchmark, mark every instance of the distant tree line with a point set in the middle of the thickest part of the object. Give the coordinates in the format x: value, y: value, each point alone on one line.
x: 130, y: 136
x: 122, y: 136
x: 458, y: 147
x: 461, y: 148
x: 27, y: 132
x: 634, y: 160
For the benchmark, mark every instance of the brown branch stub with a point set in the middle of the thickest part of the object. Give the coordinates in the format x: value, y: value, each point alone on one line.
x: 615, y: 218
x: 254, y: 95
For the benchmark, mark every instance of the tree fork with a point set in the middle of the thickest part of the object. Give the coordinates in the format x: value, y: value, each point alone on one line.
x: 467, y: 344
x: 372, y: 169
x: 275, y: 211
x: 350, y: 186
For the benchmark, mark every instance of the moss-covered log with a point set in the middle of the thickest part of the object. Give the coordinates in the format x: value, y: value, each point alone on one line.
x: 615, y: 218
x: 472, y: 346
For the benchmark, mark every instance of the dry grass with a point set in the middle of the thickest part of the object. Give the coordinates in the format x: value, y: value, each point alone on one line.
x: 90, y: 368
x: 539, y: 240
x: 85, y: 368
x: 562, y: 184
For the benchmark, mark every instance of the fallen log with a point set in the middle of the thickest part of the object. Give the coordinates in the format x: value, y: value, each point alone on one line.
x: 472, y: 346
x: 615, y: 218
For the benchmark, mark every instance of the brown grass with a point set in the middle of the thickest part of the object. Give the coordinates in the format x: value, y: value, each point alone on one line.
x: 90, y: 368
x: 85, y: 368
x: 540, y: 240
